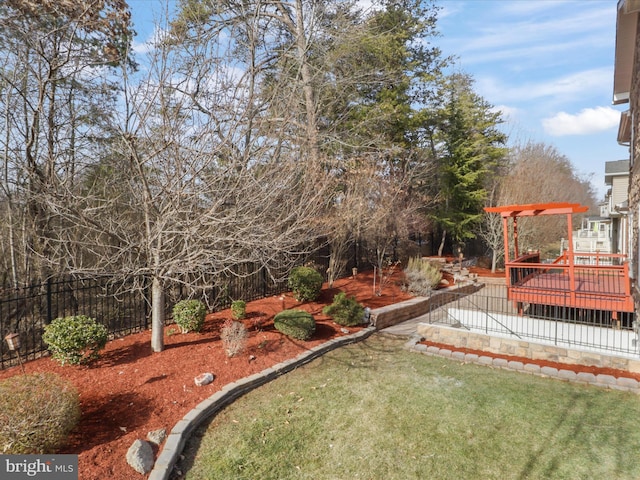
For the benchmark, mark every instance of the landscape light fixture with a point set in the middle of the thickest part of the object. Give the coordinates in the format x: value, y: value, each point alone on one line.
x: 13, y: 341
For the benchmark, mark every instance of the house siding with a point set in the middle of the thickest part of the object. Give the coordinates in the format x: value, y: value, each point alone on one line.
x: 619, y: 189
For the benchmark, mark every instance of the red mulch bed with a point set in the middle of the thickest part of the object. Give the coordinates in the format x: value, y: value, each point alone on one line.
x: 130, y: 391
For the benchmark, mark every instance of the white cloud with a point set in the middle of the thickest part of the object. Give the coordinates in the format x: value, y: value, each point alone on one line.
x: 569, y: 87
x: 587, y: 121
x: 506, y: 28
x: 508, y: 113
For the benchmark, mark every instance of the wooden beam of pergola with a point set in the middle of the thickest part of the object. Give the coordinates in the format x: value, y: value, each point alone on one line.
x: 533, y: 210
x: 538, y: 209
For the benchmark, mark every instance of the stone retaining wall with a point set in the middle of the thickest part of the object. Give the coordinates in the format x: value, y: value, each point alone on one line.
x: 400, y: 312
x: 460, y: 338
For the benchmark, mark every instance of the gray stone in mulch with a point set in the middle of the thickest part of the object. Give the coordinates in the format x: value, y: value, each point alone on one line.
x: 204, y: 379
x: 157, y: 436
x: 140, y: 456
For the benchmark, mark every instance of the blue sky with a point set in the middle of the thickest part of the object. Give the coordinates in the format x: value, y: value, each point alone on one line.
x: 546, y: 64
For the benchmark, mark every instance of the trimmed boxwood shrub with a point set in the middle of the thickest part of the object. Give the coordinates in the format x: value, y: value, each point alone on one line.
x: 189, y: 315
x: 75, y: 339
x: 295, y: 324
x: 345, y: 310
x: 238, y: 309
x: 306, y: 283
x: 37, y: 412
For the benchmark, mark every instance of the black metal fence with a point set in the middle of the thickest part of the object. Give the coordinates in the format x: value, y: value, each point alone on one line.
x: 489, y: 311
x: 123, y: 306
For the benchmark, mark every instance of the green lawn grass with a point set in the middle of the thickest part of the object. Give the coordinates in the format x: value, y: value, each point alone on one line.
x: 375, y: 411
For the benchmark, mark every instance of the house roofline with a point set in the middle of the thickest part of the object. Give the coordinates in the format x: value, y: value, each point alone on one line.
x: 626, y: 27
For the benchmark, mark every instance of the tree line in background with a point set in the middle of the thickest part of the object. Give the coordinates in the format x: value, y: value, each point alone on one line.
x: 247, y: 131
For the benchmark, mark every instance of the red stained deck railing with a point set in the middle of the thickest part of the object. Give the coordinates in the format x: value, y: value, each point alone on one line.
x: 592, y: 281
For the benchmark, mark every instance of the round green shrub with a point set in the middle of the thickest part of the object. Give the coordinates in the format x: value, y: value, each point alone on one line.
x: 37, y: 412
x: 75, y: 339
x: 238, y: 309
x: 306, y: 283
x: 345, y: 310
x: 189, y: 315
x: 295, y: 324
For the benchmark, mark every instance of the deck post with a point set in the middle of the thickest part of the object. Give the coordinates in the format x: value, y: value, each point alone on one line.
x: 516, y: 248
x: 507, y: 269
x: 572, y: 276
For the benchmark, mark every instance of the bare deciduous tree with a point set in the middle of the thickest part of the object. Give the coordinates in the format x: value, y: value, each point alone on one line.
x: 55, y: 95
x: 537, y: 173
x: 182, y: 197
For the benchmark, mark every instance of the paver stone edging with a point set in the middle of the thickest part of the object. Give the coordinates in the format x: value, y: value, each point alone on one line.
x: 175, y: 442
x: 599, y: 380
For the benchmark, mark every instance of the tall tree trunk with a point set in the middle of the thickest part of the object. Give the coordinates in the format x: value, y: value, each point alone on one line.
x: 157, y: 315
x: 441, y: 247
x: 307, y: 84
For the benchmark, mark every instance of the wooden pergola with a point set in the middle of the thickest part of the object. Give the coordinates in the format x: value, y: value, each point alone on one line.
x: 603, y: 284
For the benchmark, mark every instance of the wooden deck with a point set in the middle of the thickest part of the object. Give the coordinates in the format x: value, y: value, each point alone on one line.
x: 592, y: 288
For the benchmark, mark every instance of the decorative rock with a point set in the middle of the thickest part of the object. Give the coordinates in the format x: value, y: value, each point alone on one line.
x: 204, y: 379
x: 157, y: 436
x: 344, y: 330
x: 252, y: 358
x: 140, y: 456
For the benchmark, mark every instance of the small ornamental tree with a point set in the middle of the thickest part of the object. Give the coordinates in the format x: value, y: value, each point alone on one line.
x: 76, y: 339
x: 189, y: 315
